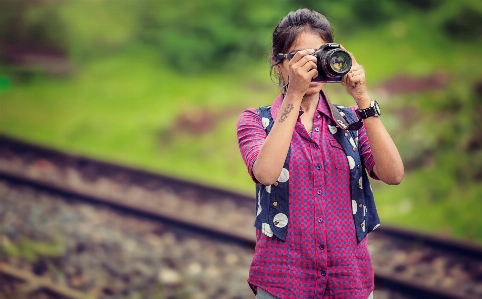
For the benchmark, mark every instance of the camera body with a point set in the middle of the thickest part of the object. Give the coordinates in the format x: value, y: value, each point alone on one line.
x: 332, y: 63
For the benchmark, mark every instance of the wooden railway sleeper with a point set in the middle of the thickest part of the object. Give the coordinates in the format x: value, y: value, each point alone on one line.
x: 34, y: 283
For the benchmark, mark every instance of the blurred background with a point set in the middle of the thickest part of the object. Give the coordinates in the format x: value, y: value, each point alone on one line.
x: 159, y: 85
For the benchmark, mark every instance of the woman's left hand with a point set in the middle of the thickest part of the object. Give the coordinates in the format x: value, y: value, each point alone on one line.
x: 355, y: 83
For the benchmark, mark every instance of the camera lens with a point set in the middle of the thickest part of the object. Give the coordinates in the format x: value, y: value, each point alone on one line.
x: 336, y: 62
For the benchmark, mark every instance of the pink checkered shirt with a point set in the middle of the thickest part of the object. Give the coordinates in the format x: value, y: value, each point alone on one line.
x: 321, y: 257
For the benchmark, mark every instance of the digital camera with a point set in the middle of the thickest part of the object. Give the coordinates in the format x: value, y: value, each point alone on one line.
x: 332, y: 63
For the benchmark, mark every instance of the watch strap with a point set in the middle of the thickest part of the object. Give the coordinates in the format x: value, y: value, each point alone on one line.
x: 369, y: 112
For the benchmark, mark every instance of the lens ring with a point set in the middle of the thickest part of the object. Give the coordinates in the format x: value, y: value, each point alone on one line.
x: 336, y: 62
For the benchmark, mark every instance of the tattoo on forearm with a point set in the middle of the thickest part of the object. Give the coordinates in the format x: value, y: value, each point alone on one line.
x: 287, y: 111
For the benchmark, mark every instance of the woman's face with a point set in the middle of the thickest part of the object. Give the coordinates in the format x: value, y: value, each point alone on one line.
x: 305, y: 40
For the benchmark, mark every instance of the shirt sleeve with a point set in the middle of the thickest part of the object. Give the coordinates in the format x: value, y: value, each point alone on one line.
x: 251, y: 136
x: 365, y: 150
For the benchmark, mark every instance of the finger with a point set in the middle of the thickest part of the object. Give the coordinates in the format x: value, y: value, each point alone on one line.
x: 349, y: 80
x: 353, y: 81
x: 313, y: 73
x: 309, y: 66
x: 300, y: 55
x: 307, y: 59
x: 358, y: 79
x: 357, y: 74
x: 357, y: 69
x: 349, y: 77
x: 344, y: 80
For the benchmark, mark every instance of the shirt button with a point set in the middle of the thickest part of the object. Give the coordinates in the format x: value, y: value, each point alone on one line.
x: 360, y: 186
x: 318, y: 166
x: 320, y: 220
x: 360, y: 205
x: 362, y: 225
x: 358, y: 166
x: 323, y: 272
x: 276, y: 204
x: 354, y: 149
x: 322, y: 246
x: 317, y: 129
x: 318, y: 192
x: 346, y: 134
x: 276, y: 183
x: 315, y: 145
x: 318, y: 116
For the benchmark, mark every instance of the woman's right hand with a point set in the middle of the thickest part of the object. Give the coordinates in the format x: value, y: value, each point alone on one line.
x: 302, y: 69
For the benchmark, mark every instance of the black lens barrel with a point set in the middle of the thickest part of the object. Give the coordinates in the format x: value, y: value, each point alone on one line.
x: 333, y: 63
x: 336, y: 62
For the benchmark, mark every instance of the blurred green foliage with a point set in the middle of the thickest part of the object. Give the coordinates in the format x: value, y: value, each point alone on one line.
x: 159, y: 84
x: 193, y: 36
x: 32, y: 250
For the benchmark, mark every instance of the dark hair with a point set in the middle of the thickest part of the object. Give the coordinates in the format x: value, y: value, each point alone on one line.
x: 291, y: 26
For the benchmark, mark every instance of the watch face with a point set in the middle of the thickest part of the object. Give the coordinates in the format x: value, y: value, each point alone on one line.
x: 377, y: 109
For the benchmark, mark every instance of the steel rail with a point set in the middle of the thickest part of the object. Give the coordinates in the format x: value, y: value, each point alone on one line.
x: 382, y: 277
x: 177, y: 218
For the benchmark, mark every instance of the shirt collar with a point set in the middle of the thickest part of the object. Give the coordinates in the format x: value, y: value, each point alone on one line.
x: 322, y: 108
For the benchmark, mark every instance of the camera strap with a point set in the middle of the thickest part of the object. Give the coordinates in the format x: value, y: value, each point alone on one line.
x: 341, y: 122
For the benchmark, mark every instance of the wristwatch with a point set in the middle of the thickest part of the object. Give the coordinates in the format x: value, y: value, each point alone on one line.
x: 373, y: 110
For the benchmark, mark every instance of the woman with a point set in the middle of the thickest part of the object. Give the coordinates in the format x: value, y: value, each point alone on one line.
x: 314, y: 201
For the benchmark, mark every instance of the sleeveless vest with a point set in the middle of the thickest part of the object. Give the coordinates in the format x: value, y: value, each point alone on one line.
x: 273, y: 219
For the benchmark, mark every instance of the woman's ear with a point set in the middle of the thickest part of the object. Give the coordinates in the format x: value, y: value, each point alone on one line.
x: 278, y: 69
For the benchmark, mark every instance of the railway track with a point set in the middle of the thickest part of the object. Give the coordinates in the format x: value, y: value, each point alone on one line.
x: 105, y: 252
x: 410, y: 263
x: 17, y: 284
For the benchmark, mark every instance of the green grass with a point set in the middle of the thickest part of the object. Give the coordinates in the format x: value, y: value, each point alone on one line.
x: 449, y: 210
x: 118, y: 107
x: 31, y: 250
x: 124, y: 108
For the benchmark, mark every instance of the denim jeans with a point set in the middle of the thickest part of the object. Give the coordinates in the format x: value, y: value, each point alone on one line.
x: 262, y: 294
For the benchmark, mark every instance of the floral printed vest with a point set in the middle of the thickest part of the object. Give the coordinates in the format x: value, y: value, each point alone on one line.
x: 273, y: 219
